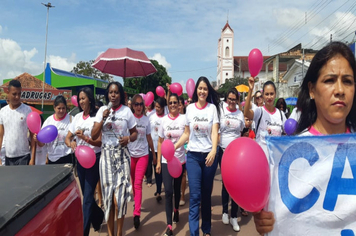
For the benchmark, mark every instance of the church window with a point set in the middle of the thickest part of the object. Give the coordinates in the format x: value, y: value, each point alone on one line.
x: 227, y: 52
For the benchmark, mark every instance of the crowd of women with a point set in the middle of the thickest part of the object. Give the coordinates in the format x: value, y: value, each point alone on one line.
x: 127, y: 140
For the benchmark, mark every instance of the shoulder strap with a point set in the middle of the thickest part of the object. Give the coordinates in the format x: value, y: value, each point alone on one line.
x: 259, y: 121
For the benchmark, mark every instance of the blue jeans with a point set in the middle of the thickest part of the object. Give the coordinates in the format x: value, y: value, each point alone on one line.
x: 224, y: 194
x: 88, y: 178
x: 201, y: 180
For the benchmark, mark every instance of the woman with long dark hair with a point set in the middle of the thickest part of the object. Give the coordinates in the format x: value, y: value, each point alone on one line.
x: 327, y: 103
x: 118, y: 128
x: 202, y: 125
x: 268, y: 119
x: 171, y: 128
x: 79, y: 134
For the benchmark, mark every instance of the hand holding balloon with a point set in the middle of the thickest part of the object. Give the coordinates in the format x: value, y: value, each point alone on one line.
x: 245, y: 172
x: 33, y: 121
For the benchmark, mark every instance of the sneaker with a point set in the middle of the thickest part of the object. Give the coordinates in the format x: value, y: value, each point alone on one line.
x: 168, y: 232
x: 235, y: 225
x: 225, y: 219
x: 176, y: 217
x: 136, y: 222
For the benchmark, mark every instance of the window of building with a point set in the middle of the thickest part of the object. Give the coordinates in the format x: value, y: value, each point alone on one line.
x: 227, y: 52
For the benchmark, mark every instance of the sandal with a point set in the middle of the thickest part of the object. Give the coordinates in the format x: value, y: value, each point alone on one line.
x: 149, y: 185
x: 244, y: 213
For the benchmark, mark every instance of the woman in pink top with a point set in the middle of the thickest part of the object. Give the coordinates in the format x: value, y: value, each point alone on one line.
x: 327, y: 102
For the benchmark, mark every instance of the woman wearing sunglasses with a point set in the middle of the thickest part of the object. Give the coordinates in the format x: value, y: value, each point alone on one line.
x: 171, y: 128
x: 139, y: 153
x: 231, y: 125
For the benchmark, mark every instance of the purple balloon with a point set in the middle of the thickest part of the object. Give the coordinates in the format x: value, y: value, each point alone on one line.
x: 290, y: 126
x: 47, y: 134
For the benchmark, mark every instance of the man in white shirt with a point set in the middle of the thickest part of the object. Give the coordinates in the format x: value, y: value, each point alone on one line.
x: 14, y: 128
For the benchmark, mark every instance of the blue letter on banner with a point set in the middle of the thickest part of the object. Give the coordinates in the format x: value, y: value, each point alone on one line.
x: 298, y: 150
x: 338, y: 185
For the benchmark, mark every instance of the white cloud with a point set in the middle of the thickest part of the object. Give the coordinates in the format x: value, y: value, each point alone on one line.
x: 15, y: 61
x: 62, y: 63
x: 161, y: 60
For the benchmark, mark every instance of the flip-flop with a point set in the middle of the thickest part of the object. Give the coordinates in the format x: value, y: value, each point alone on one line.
x: 244, y: 213
x: 149, y: 185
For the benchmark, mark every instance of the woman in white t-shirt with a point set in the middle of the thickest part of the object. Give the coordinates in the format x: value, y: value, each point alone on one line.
x: 232, y: 122
x: 58, y: 152
x: 171, y: 128
x: 79, y: 134
x: 139, y: 153
x: 118, y: 128
x: 155, y: 121
x: 327, y: 103
x: 202, y: 125
x: 268, y: 119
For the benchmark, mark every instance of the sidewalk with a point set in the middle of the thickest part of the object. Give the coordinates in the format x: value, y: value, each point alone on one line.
x: 153, y: 216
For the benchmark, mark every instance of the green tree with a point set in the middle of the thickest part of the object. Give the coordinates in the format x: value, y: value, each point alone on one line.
x: 151, y: 82
x: 231, y: 83
x: 85, y: 68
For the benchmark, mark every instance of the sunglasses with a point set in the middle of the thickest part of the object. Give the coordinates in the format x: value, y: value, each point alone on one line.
x: 174, y: 102
x: 138, y: 104
x: 232, y: 99
x: 259, y: 97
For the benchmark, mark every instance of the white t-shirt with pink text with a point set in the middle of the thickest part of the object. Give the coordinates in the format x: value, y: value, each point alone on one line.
x: 86, y: 124
x: 155, y: 121
x: 117, y: 125
x: 200, y: 122
x: 172, y: 129
x: 58, y: 148
x: 270, y: 124
x: 231, y: 125
x: 139, y: 147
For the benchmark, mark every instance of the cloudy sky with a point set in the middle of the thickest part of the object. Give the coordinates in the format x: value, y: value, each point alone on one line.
x: 181, y: 35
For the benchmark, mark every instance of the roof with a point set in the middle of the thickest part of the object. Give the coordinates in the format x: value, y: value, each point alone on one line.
x: 227, y: 26
x: 244, y: 64
x: 29, y: 81
x: 70, y: 74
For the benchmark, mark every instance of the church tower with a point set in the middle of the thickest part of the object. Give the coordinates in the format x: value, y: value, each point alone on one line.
x: 225, y: 68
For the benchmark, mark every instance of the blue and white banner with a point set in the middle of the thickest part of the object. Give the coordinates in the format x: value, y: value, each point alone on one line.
x: 313, y: 185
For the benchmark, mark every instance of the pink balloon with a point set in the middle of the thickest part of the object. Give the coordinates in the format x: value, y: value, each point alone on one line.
x: 74, y: 100
x: 167, y: 150
x: 86, y: 156
x: 174, y: 167
x: 149, y: 98
x: 255, y: 62
x: 245, y: 173
x: 33, y: 121
x: 243, y: 103
x: 190, y: 86
x: 176, y: 88
x: 160, y: 91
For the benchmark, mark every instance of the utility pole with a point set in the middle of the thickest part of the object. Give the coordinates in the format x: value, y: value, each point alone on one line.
x: 48, y: 5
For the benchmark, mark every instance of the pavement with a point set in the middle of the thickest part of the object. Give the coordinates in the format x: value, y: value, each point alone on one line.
x: 153, y: 216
